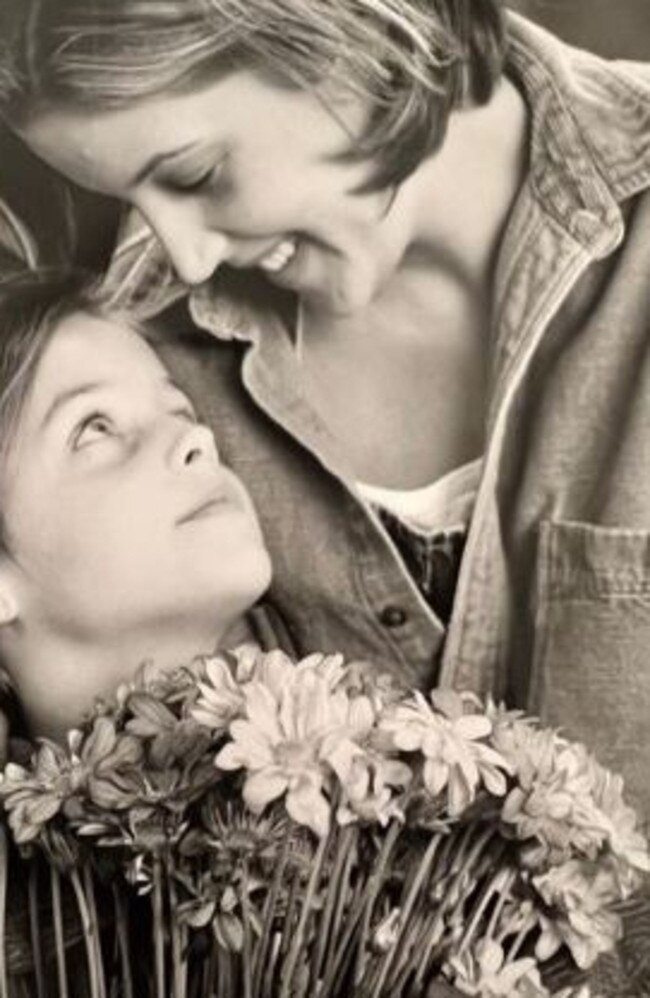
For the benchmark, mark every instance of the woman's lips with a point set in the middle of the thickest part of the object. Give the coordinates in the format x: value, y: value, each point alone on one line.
x: 277, y: 259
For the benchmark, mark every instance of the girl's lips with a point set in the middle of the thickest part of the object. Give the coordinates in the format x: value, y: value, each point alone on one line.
x: 205, y: 508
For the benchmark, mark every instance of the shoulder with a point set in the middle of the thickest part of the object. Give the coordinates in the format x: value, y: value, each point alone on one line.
x: 607, y: 101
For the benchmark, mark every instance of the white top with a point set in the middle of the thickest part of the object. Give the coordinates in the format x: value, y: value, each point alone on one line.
x: 445, y: 504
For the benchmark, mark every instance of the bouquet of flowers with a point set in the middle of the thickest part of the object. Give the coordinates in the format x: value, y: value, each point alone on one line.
x: 284, y: 830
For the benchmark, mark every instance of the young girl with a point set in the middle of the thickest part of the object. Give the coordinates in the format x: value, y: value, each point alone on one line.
x: 123, y: 536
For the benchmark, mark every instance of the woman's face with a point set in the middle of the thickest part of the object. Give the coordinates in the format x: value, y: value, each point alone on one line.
x: 122, y: 525
x: 242, y: 172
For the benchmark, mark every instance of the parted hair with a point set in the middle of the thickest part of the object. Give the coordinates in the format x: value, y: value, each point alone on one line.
x: 411, y: 61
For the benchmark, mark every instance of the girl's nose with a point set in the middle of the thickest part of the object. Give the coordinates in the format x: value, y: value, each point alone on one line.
x: 195, y: 447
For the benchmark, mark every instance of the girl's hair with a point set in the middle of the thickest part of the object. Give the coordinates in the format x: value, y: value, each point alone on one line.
x: 32, y: 306
x: 411, y: 61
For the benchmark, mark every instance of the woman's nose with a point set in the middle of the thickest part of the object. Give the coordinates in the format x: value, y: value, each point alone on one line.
x: 195, y: 249
x: 196, y: 447
x: 196, y: 260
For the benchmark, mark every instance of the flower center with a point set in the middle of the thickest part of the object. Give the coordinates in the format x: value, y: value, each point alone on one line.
x: 294, y: 755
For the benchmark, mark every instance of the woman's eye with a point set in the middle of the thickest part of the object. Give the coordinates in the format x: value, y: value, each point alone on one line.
x: 206, y: 178
x: 91, y: 430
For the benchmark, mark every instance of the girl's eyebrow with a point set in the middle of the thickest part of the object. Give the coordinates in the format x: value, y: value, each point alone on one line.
x: 79, y: 391
x: 67, y: 396
x: 173, y: 388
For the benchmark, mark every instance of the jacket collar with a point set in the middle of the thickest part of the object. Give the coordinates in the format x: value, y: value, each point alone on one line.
x: 590, y: 128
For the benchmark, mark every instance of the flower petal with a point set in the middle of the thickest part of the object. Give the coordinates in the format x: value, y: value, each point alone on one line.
x: 436, y: 775
x: 263, y: 787
x: 473, y: 726
x: 310, y: 809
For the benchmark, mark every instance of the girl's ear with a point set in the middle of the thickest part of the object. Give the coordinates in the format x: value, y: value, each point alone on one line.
x: 8, y: 591
x: 8, y: 603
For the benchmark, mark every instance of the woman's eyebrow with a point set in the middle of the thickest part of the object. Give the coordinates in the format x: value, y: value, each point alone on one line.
x: 154, y: 162
x: 63, y: 398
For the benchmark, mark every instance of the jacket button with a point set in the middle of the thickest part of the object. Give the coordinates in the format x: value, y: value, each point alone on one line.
x: 393, y: 616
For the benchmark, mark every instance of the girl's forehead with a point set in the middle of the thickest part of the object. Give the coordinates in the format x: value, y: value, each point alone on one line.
x: 85, y: 348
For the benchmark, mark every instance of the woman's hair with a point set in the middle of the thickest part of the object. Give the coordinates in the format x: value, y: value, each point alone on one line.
x: 411, y: 61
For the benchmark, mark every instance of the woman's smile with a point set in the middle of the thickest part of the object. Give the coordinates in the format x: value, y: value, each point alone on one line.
x: 276, y: 261
x: 275, y: 190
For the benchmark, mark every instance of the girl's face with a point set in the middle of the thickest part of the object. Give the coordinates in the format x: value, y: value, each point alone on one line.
x: 122, y: 525
x: 241, y: 172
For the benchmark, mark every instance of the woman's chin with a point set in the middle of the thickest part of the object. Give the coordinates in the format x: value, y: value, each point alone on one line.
x: 348, y: 292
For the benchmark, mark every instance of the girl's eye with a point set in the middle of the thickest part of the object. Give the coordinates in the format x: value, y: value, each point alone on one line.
x: 91, y: 430
x: 186, y: 413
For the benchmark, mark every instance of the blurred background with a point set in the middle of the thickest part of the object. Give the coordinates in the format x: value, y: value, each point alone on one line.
x: 616, y: 28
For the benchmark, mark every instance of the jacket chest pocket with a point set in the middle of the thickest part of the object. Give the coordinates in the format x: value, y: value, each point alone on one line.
x: 591, y: 663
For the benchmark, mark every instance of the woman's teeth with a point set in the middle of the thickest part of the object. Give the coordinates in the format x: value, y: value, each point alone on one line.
x: 279, y: 257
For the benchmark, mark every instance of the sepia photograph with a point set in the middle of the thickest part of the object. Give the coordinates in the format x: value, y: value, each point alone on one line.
x: 324, y: 498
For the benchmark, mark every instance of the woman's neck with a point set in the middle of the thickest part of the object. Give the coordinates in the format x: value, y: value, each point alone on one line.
x: 462, y: 196
x: 410, y: 368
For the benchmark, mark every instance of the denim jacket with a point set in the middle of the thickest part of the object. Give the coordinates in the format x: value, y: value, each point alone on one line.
x: 552, y: 609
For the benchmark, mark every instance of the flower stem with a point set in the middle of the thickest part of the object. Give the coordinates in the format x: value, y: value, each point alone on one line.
x: 520, y: 939
x: 500, y: 903
x: 407, y: 907
x: 4, y: 867
x: 294, y: 952
x: 456, y: 893
x: 59, y: 941
x: 494, y: 886
x: 158, y: 927
x: 217, y: 958
x: 122, y: 929
x: 374, y: 885
x: 247, y: 959
x: 335, y: 897
x: 269, y: 916
x: 179, y: 963
x: 287, y: 928
x: 34, y: 926
x: 86, y: 924
x: 94, y: 924
x: 344, y: 900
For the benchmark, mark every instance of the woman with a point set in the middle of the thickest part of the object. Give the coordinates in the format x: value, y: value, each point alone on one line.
x: 432, y: 312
